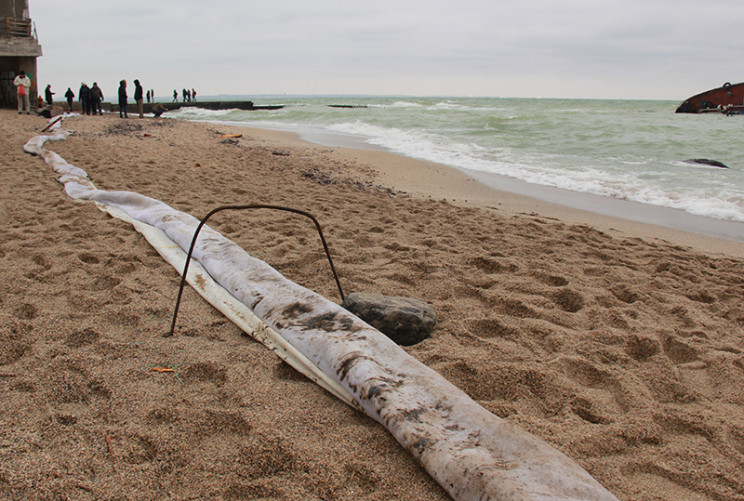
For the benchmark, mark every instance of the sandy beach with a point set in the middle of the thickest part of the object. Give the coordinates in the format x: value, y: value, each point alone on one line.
x: 620, y: 344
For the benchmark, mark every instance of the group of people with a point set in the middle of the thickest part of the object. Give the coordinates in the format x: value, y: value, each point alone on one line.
x: 90, y: 97
x: 188, y: 95
x: 138, y: 98
x: 157, y: 110
x: 22, y: 84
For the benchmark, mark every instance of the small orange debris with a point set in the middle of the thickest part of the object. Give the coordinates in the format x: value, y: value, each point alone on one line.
x: 162, y: 369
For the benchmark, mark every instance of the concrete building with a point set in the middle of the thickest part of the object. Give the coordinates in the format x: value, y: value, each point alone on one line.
x: 19, y: 48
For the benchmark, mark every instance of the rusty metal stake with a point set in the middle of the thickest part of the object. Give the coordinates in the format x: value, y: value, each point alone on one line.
x: 51, y: 124
x: 243, y: 207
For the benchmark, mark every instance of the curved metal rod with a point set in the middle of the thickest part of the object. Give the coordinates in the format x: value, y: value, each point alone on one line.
x: 242, y: 207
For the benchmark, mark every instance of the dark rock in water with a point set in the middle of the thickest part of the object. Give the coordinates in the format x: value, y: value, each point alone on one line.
x: 404, y: 320
x: 705, y: 161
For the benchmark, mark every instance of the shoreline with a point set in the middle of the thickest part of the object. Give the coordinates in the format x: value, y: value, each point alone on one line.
x: 425, y: 179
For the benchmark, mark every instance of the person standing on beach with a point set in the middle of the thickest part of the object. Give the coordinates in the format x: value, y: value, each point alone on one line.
x: 48, y: 94
x: 138, y: 98
x: 123, y: 99
x: 175, y: 96
x: 193, y: 95
x: 96, y: 95
x: 147, y: 96
x: 23, y: 87
x: 84, y: 97
x: 69, y: 95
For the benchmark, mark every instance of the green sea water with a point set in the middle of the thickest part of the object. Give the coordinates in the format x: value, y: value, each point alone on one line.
x: 627, y: 150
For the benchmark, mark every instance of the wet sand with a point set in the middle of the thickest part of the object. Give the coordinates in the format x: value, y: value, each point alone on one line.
x: 621, y: 344
x: 471, y: 188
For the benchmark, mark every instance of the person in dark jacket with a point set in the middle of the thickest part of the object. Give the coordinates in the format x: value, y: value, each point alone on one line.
x: 69, y: 95
x: 84, y: 97
x: 48, y: 94
x: 96, y: 95
x: 138, y: 97
x: 123, y: 99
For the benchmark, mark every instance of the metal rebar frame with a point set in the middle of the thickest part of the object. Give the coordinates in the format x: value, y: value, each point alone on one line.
x: 244, y: 207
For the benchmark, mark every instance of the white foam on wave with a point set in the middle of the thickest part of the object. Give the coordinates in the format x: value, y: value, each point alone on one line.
x: 196, y: 113
x: 402, y: 104
x: 558, y: 171
x: 555, y: 144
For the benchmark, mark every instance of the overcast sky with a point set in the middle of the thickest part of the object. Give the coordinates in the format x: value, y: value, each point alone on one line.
x: 633, y: 49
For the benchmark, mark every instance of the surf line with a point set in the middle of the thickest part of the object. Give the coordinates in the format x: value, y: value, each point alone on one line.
x: 472, y: 453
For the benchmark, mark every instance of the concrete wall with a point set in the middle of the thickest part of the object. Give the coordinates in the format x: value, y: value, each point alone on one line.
x: 106, y: 107
x: 14, y: 8
x: 9, y: 68
x: 19, y: 47
x: 17, y: 53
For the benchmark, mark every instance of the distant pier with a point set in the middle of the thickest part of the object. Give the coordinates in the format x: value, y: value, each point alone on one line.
x: 209, y: 105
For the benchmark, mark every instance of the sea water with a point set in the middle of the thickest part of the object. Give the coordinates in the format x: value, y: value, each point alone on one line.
x: 627, y: 150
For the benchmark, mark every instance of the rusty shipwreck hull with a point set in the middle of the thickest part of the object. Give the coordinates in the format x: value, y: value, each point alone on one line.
x: 728, y: 97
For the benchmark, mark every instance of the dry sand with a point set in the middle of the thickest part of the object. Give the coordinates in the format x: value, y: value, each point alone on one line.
x: 624, y: 351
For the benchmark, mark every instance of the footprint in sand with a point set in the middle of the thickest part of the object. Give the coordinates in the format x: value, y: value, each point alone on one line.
x: 569, y: 300
x: 551, y: 280
x: 205, y: 372
x: 163, y: 415
x: 678, y: 351
x: 88, y: 258
x: 11, y: 351
x: 81, y: 338
x: 26, y: 311
x: 624, y: 294
x: 641, y: 348
x: 70, y: 384
x: 492, y: 327
x: 600, y: 395
x: 490, y: 265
